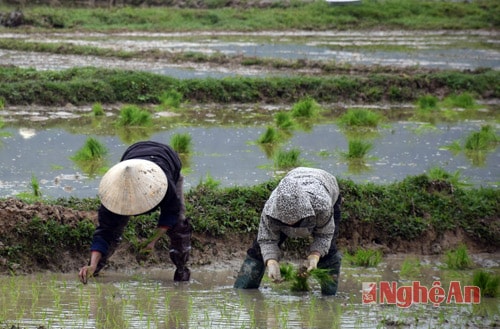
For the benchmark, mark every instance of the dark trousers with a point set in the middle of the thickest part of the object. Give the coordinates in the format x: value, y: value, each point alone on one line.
x: 253, y: 267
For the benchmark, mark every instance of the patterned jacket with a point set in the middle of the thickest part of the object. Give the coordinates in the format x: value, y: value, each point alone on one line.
x: 300, y: 206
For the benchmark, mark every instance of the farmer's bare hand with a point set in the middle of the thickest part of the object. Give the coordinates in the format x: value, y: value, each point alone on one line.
x: 86, y: 272
x: 312, y: 262
x: 273, y: 270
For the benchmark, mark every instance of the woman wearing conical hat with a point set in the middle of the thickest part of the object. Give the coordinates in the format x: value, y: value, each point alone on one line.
x: 148, y: 177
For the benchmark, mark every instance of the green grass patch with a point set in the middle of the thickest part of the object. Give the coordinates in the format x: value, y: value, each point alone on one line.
x: 295, y: 15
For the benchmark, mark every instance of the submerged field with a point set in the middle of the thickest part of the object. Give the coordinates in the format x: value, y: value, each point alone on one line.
x: 231, y: 71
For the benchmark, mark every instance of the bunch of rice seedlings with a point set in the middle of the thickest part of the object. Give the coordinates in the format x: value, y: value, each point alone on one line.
x: 300, y: 278
x: 287, y: 159
x: 92, y: 150
x: 487, y: 282
x: 181, y: 143
x: 270, y: 136
x: 483, y: 140
x: 305, y: 108
x: 356, y: 118
x: 132, y: 115
x: 428, y: 103
x: 458, y: 259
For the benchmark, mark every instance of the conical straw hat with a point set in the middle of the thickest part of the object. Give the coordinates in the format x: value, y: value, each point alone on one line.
x: 133, y: 187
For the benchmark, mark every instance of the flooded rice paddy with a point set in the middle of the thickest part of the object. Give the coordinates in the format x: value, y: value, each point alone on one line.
x: 225, y: 148
x: 150, y: 299
x: 458, y: 50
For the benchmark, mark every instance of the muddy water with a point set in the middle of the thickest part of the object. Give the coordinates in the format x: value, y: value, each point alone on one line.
x: 150, y: 299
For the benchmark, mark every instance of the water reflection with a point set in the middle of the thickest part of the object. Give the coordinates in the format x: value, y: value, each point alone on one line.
x: 148, y: 300
x: 230, y: 155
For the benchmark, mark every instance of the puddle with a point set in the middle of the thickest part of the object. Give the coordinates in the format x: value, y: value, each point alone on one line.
x: 150, y: 299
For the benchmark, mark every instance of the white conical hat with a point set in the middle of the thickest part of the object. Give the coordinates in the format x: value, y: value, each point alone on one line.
x: 133, y: 187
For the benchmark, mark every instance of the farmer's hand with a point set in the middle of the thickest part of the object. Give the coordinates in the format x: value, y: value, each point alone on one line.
x: 312, y: 261
x: 86, y: 272
x: 273, y: 270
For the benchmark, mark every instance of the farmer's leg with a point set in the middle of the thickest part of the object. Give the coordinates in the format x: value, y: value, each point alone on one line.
x: 332, y: 261
x: 253, y: 268
x: 180, y: 247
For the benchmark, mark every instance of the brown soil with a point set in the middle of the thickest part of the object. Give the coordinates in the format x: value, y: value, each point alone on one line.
x: 207, y: 250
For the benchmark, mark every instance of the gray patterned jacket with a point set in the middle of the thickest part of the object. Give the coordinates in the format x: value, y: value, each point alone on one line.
x: 300, y: 206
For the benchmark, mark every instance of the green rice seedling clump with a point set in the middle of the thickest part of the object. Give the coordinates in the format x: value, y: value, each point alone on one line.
x: 306, y: 108
x: 270, y: 136
x: 92, y: 150
x: 97, y: 109
x: 360, y: 118
x: 171, y: 99
x: 428, y: 103
x: 132, y: 115
x: 287, y: 159
x: 358, y: 149
x: 483, y: 140
x: 487, y: 282
x: 463, y: 100
x: 458, y: 259
x: 365, y: 257
x: 181, y: 143
x: 284, y: 121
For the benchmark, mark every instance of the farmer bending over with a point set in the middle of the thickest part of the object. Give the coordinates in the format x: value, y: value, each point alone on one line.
x: 147, y: 177
x: 306, y: 202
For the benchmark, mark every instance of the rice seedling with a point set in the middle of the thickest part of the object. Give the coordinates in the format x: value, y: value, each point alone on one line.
x: 458, y: 258
x: 132, y: 115
x: 97, y: 110
x: 287, y: 159
x: 427, y: 103
x: 357, y: 150
x: 464, y: 101
x: 300, y: 278
x: 170, y: 99
x: 283, y: 121
x: 35, y: 187
x: 364, y: 257
x: 181, y: 143
x: 487, y: 282
x: 359, y: 118
x: 483, y: 140
x: 306, y: 108
x: 270, y: 136
x: 410, y: 268
x: 92, y: 150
